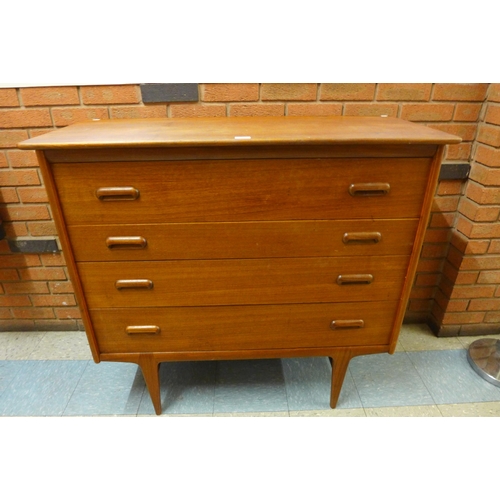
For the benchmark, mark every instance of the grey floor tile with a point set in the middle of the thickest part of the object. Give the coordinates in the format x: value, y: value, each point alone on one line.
x: 107, y: 389
x: 279, y: 414
x: 41, y: 388
x: 19, y: 345
x: 62, y: 345
x: 185, y: 387
x: 450, y: 379
x: 250, y: 386
x: 346, y: 413
x: 308, y: 383
x: 388, y: 380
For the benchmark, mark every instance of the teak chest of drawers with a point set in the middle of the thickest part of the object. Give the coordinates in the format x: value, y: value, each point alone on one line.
x: 239, y: 238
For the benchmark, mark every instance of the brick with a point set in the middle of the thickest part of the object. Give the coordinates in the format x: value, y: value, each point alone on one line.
x: 455, y: 305
x: 256, y: 110
x: 458, y: 241
x: 421, y: 305
x: 404, y: 91
x: 56, y: 325
x: 36, y: 132
x: 370, y: 109
x: 422, y: 292
x: 42, y: 274
x: 347, y: 91
x: 445, y: 204
x: 494, y: 246
x: 316, y: 109
x: 49, y: 96
x: 460, y: 91
x: 42, y: 228
x: 11, y: 138
x: 460, y: 151
x: 110, y: 94
x: 493, y: 114
x: 66, y: 116
x: 434, y: 251
x: 429, y: 265
x: 480, y: 194
x: 32, y: 194
x: 53, y: 259
x: 26, y: 287
x: 487, y: 155
x: 478, y: 213
x: 480, y: 263
x: 19, y: 261
x: 477, y: 247
x: 489, y: 134
x: 451, y: 187
x: 149, y: 111
x: 466, y: 112
x: 24, y: 118
x: 494, y: 92
x: 4, y: 314
x: 53, y: 300
x: 22, y: 159
x: 426, y: 280
x: 440, y: 219
x: 474, y: 291
x: 196, y: 110
x: 466, y: 131
x: 493, y: 317
x: 8, y: 98
x: 230, y: 92
x: 8, y: 195
x: 485, y: 175
x: 461, y: 318
x: 67, y: 313
x: 467, y: 278
x: 21, y: 212
x: 3, y: 160
x: 464, y: 225
x: 428, y: 112
x: 484, y: 305
x: 288, y: 91
x: 489, y: 277
x: 33, y: 312
x: 14, y: 301
x: 15, y: 229
x: 436, y: 236
x: 61, y: 287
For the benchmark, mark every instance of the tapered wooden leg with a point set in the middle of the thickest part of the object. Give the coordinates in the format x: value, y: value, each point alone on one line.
x: 151, y: 372
x: 340, y: 362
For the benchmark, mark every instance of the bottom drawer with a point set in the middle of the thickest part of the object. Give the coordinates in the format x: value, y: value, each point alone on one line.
x: 243, y: 327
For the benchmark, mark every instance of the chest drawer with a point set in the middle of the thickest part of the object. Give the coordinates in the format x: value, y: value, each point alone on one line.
x: 246, y: 281
x: 242, y: 327
x: 243, y: 240
x: 241, y: 190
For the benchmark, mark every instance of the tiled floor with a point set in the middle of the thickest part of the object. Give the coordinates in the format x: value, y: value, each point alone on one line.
x: 52, y: 374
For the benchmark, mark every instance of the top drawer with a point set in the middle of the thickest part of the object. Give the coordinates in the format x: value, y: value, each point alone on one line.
x: 241, y: 190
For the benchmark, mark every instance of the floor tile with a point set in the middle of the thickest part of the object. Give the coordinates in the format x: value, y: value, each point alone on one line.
x: 250, y: 386
x: 8, y: 370
x: 450, y: 379
x: 41, y: 388
x: 419, y: 337
x: 467, y: 341
x: 347, y: 413
x: 388, y: 380
x: 107, y: 389
x: 308, y: 384
x: 19, y: 345
x: 62, y: 345
x: 404, y: 411
x: 185, y: 387
x: 471, y: 410
x: 279, y: 414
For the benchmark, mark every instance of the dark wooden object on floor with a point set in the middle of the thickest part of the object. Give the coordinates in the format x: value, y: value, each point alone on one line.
x: 241, y: 238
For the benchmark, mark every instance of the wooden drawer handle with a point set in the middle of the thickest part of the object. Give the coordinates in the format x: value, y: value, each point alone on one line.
x: 126, y: 242
x: 347, y: 323
x: 127, y: 193
x: 354, y: 279
x: 369, y: 189
x: 350, y: 238
x: 141, y: 329
x: 122, y: 284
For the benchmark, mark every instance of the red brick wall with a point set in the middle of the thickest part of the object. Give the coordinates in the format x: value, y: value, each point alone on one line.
x: 35, y: 292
